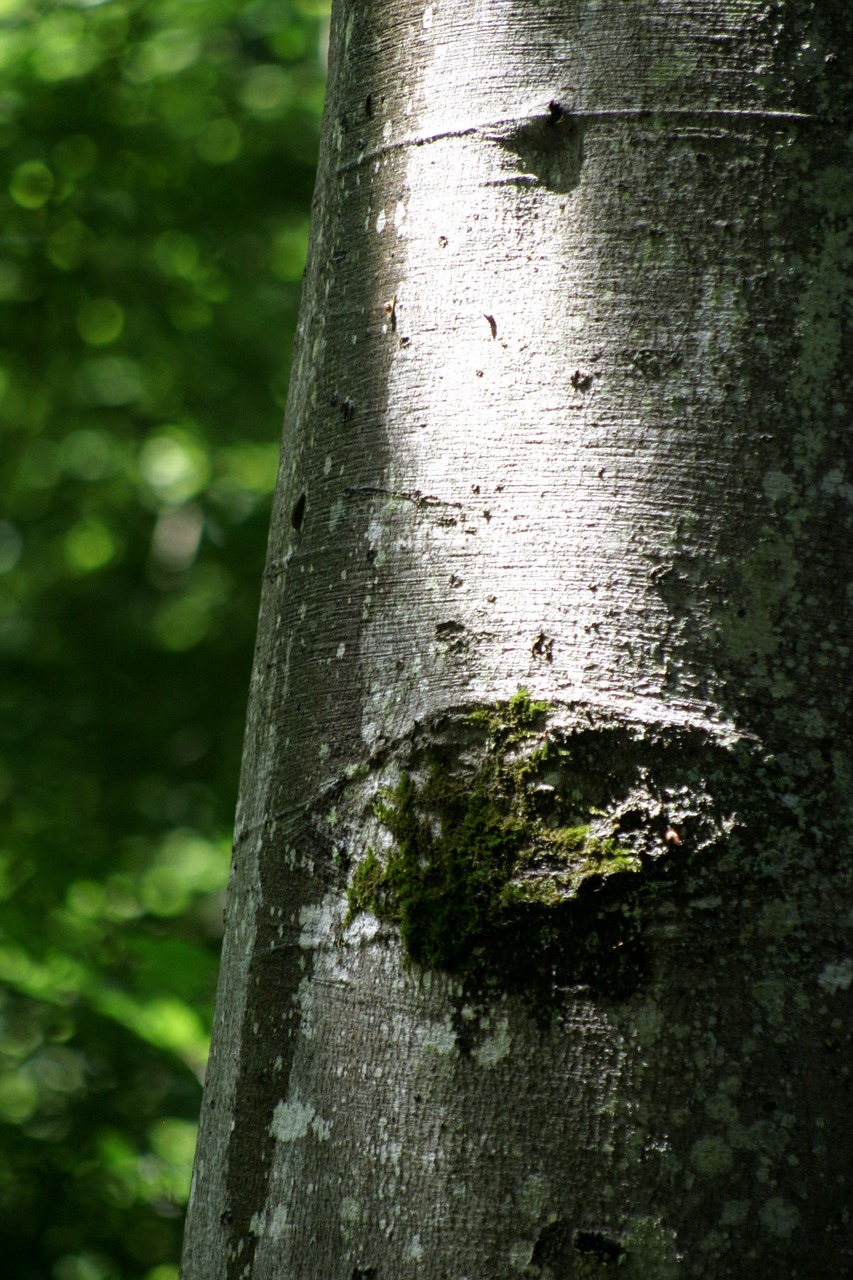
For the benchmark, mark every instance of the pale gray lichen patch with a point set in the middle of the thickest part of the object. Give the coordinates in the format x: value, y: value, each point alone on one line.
x: 712, y: 1157
x: 349, y: 1211
x: 836, y: 976
x: 532, y: 1196
x: 734, y: 1213
x: 650, y: 1249
x: 777, y: 485
x: 779, y: 1218
x: 439, y: 1037
x: 495, y: 1047
x: 521, y: 1254
x: 294, y: 1120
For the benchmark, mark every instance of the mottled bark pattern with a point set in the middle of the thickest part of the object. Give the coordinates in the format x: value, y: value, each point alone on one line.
x: 570, y: 412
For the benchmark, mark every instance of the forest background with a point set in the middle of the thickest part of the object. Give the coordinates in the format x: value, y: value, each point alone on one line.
x: 158, y: 164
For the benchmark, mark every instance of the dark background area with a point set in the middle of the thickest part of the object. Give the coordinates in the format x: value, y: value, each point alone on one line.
x: 157, y: 167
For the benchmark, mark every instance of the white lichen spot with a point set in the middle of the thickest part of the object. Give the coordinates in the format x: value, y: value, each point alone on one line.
x: 350, y: 1211
x: 712, y: 1157
x: 773, y: 996
x: 278, y: 1225
x: 321, y: 1128
x: 341, y: 650
x: 836, y: 977
x: 335, y: 513
x: 381, y: 221
x: 833, y: 480
x: 734, y: 1213
x: 521, y: 1254
x: 364, y: 928
x: 648, y: 1020
x: 387, y: 130
x: 652, y: 1249
x: 440, y: 1038
x: 414, y: 1250
x: 812, y: 723
x: 777, y: 485
x: 532, y: 1196
x: 427, y: 18
x: 779, y: 918
x: 324, y: 750
x: 304, y: 998
x: 721, y: 1109
x: 494, y: 1048
x: 294, y: 1120
x: 315, y: 924
x: 778, y: 1217
x: 291, y: 1120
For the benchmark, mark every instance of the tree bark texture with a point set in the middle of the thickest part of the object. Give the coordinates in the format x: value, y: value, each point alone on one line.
x: 560, y: 554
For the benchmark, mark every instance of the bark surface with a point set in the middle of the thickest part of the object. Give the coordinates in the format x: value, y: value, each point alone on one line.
x: 538, y: 955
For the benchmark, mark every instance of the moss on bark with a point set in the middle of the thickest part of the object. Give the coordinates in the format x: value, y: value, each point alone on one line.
x: 507, y: 872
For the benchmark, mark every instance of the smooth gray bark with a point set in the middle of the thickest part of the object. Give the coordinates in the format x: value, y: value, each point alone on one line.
x: 570, y: 413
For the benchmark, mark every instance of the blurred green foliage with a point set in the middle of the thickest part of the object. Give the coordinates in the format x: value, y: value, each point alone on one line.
x: 157, y: 167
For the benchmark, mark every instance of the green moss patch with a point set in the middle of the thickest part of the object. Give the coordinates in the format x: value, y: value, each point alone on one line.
x: 497, y: 871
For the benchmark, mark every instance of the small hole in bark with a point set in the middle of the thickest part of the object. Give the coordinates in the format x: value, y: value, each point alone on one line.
x: 297, y: 515
x: 543, y: 647
x: 597, y: 1245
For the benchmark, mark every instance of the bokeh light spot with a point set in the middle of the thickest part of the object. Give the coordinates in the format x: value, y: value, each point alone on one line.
x: 31, y: 185
x: 100, y: 321
x: 90, y: 544
x: 112, y: 380
x: 267, y: 91
x: 219, y: 142
x: 174, y: 464
x: 11, y: 546
x: 176, y: 254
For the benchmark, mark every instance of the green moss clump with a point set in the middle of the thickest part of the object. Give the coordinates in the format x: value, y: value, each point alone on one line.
x: 567, y: 857
x: 512, y: 721
x: 479, y: 877
x: 367, y: 887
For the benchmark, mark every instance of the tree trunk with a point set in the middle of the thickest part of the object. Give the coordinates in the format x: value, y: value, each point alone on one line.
x: 538, y: 954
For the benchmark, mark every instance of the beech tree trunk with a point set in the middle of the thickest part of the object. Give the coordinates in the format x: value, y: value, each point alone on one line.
x: 538, y: 956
